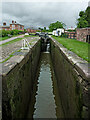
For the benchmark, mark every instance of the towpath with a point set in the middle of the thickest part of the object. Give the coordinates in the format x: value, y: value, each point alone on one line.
x: 12, y: 38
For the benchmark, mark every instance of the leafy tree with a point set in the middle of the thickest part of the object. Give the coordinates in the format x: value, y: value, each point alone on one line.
x: 4, y: 33
x: 82, y: 13
x: 40, y: 28
x: 56, y: 25
x: 87, y: 12
x: 0, y: 33
x: 14, y: 32
x: 24, y: 30
x: 82, y: 23
x: 45, y: 28
x: 84, y: 19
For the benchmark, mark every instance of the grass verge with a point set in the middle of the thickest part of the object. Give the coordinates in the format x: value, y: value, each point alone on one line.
x: 4, y: 38
x: 7, y: 58
x: 78, y: 47
x: 30, y: 36
x: 12, y: 41
x: 7, y: 37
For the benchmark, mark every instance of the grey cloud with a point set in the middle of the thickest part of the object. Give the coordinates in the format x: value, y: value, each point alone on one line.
x: 42, y: 14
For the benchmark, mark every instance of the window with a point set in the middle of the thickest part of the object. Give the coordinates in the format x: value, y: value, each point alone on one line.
x: 13, y: 25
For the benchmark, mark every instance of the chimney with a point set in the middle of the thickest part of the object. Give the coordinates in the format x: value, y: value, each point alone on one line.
x: 4, y: 23
x: 12, y: 21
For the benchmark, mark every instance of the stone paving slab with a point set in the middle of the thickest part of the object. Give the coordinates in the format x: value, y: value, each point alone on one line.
x: 84, y: 69
x: 8, y: 49
x: 16, y: 58
x: 13, y: 61
x: 18, y: 53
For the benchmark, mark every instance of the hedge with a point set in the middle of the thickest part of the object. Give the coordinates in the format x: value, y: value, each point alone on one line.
x: 4, y: 33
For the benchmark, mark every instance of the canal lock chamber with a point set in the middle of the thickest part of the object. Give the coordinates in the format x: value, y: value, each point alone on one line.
x: 44, y: 85
x: 45, y: 102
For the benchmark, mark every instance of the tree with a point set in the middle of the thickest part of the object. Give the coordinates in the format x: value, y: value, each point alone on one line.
x: 40, y: 29
x: 84, y: 19
x: 82, y: 23
x: 87, y: 12
x: 56, y: 25
x: 45, y: 28
x: 4, y: 33
x: 24, y: 30
x: 82, y: 13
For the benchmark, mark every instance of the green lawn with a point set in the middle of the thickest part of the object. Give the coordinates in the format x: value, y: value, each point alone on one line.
x: 30, y: 36
x: 78, y: 47
x: 12, y: 41
x: 4, y: 38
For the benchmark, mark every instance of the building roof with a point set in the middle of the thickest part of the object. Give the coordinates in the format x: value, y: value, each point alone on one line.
x: 16, y: 24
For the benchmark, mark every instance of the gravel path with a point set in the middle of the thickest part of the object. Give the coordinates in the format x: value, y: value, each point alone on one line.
x: 8, y: 49
x: 7, y: 40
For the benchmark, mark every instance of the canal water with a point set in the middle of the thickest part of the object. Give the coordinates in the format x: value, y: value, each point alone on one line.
x: 45, y: 102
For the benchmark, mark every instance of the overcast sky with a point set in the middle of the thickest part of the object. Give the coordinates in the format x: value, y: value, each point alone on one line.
x: 40, y: 14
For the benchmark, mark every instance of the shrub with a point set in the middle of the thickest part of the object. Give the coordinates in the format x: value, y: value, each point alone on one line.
x: 4, y: 33
x: 0, y: 33
x: 14, y: 32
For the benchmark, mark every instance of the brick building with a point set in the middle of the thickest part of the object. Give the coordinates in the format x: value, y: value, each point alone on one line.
x: 31, y: 30
x: 71, y: 35
x: 4, y: 27
x: 13, y: 26
x: 16, y: 26
x: 83, y: 34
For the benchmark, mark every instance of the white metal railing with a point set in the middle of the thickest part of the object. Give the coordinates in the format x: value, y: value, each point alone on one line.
x: 25, y: 45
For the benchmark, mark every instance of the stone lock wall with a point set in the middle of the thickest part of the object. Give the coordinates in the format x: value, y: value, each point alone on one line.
x: 72, y: 75
x: 82, y: 34
x: 73, y: 81
x: 17, y: 82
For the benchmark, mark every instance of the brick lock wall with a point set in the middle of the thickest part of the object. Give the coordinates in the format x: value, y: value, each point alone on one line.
x: 82, y: 34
